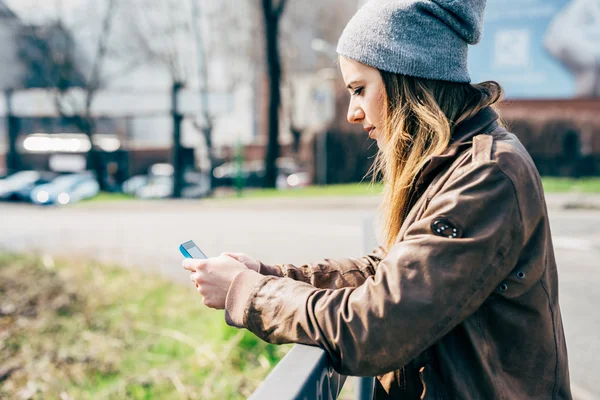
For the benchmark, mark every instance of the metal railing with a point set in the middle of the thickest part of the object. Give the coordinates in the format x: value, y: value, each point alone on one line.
x: 305, y: 373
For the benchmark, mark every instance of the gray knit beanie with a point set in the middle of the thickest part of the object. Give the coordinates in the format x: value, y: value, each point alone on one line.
x: 421, y: 38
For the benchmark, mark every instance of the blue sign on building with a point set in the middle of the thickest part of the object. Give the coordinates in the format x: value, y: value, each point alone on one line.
x: 540, y: 49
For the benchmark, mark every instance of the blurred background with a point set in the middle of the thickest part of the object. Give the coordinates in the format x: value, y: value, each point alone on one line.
x: 130, y: 126
x: 189, y: 95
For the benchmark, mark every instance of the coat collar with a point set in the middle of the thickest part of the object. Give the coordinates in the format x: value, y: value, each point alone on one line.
x: 484, y: 121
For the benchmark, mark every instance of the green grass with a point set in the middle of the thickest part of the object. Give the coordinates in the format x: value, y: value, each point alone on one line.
x: 93, y: 331
x: 571, y: 185
x: 109, y: 196
x: 349, y: 189
x: 551, y: 185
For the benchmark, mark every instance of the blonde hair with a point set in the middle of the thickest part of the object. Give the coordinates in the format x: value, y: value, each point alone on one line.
x: 420, y: 117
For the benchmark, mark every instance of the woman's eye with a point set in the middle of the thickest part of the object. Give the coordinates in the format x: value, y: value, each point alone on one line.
x: 358, y: 91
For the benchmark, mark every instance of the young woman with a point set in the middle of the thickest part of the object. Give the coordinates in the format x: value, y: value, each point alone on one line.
x: 461, y: 301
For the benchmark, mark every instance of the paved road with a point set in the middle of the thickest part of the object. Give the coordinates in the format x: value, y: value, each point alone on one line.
x: 148, y: 234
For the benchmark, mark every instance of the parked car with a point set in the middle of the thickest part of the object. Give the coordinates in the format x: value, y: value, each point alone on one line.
x: 66, y: 189
x: 24, y: 194
x: 159, y: 183
x: 253, y: 173
x: 295, y: 180
x: 156, y: 188
x: 12, y: 184
x: 133, y: 184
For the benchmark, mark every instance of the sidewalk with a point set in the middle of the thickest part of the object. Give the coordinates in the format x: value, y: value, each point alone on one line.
x: 573, y: 201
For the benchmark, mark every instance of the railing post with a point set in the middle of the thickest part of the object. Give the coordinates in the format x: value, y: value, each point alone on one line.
x: 364, y: 385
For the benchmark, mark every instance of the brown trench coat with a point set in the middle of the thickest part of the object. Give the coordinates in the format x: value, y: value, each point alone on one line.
x: 463, y: 306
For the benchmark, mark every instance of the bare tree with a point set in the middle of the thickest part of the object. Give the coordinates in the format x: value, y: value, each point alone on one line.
x: 202, y: 63
x: 272, y: 12
x: 94, y: 83
x: 226, y: 33
x: 162, y: 30
x: 55, y: 62
x: 188, y: 39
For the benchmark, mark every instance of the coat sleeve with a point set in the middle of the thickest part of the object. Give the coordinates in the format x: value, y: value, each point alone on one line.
x: 329, y: 274
x: 426, y: 284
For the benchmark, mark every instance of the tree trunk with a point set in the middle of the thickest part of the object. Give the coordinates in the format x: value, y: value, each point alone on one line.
x: 207, y: 130
x: 13, y: 162
x: 272, y: 16
x: 211, y: 155
x: 177, y: 160
x: 94, y: 158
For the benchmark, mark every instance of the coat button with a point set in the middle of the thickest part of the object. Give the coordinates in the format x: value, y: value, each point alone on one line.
x: 520, y: 274
x: 443, y: 227
x: 503, y: 287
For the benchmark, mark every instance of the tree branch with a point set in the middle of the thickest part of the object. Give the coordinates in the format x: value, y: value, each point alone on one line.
x: 94, y: 81
x: 278, y: 10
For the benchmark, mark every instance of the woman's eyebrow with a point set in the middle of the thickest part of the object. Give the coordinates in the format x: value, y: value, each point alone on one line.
x: 349, y: 86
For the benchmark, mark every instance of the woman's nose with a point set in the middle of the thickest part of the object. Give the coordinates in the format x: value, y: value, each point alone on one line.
x: 355, y: 115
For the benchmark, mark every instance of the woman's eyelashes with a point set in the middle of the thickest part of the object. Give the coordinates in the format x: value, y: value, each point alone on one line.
x: 358, y: 91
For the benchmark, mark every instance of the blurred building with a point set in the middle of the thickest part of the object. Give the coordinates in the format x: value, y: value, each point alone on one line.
x: 38, y: 61
x: 134, y: 104
x: 12, y: 70
x: 137, y: 97
x: 546, y: 55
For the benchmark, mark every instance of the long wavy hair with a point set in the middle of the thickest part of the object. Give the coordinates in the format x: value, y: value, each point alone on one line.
x: 419, y: 120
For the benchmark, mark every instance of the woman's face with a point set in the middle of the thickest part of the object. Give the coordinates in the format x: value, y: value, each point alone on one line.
x: 367, y: 97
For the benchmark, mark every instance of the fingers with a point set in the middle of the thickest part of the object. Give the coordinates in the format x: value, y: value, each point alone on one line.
x: 193, y: 265
x: 195, y: 277
x: 202, y: 290
x: 237, y: 256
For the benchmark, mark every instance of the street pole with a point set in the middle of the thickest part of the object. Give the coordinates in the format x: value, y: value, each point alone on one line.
x: 239, y: 161
x: 322, y: 157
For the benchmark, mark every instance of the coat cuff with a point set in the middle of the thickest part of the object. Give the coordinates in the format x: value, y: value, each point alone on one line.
x: 269, y: 270
x: 238, y: 296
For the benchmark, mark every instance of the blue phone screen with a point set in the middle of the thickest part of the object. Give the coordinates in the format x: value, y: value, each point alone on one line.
x: 195, y: 252
x: 189, y: 249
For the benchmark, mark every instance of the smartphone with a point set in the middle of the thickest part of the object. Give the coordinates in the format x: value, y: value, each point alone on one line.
x: 190, y: 250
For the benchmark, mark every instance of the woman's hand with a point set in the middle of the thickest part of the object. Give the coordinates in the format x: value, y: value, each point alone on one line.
x: 248, y: 261
x: 213, y: 277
